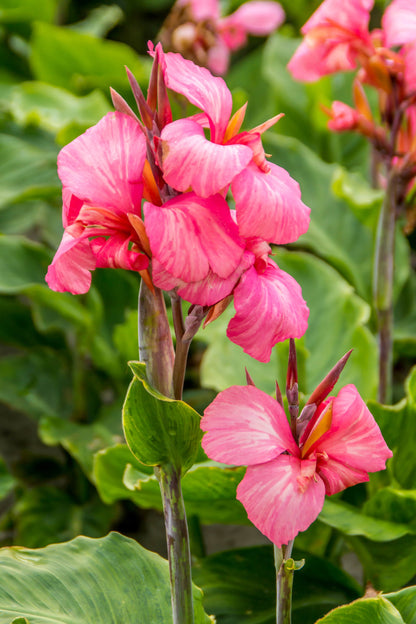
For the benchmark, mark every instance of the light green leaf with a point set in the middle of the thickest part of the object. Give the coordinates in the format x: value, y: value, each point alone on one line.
x: 375, y: 610
x: 108, y: 580
x: 23, y: 263
x: 100, y: 20
x: 27, y: 10
x: 80, y: 62
x: 159, y: 430
x: 351, y: 521
x: 405, y: 601
x: 337, y: 323
x: 53, y: 108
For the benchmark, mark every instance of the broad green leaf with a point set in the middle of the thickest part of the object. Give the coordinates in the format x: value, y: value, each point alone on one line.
x: 393, y: 505
x: 351, y: 521
x: 23, y: 263
x: 108, y: 580
x: 7, y: 482
x: 209, y: 489
x: 27, y: 10
x: 100, y: 20
x: 83, y: 440
x: 239, y: 587
x: 79, y: 62
x: 35, y: 383
x: 405, y: 601
x: 27, y: 170
x: 159, y: 430
x: 375, y: 610
x: 53, y: 108
x: 48, y: 514
x: 337, y: 323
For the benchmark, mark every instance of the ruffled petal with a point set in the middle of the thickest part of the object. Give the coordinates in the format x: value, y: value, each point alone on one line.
x: 254, y: 18
x: 205, y: 292
x: 245, y: 426
x: 189, y: 160
x: 103, y: 166
x: 190, y: 235
x: 337, y: 476
x: 269, y: 205
x: 399, y: 22
x: 71, y: 267
x: 114, y: 253
x: 353, y: 15
x: 282, y: 497
x: 201, y: 88
x: 354, y: 438
x: 269, y: 309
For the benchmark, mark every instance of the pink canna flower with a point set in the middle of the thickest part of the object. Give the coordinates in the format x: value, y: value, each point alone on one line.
x: 196, y: 29
x: 284, y: 487
x: 102, y: 176
x: 267, y: 199
x: 335, y: 35
x: 399, y: 23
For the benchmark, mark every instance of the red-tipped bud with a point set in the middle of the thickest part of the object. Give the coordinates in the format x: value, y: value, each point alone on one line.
x: 292, y: 367
x: 121, y: 106
x: 327, y: 384
x: 164, y: 111
x: 144, y: 110
x: 279, y: 397
x: 249, y: 379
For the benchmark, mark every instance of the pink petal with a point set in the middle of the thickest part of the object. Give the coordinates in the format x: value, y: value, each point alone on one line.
x: 201, y: 88
x: 190, y: 235
x: 353, y: 15
x: 71, y: 207
x: 309, y: 63
x: 269, y: 309
x: 189, y: 160
x: 399, y: 22
x: 245, y: 426
x: 114, y: 253
x: 201, y: 9
x: 254, y: 18
x: 71, y: 266
x: 354, y: 438
x: 337, y: 475
x: 282, y: 497
x: 103, y: 166
x: 205, y: 292
x: 269, y: 205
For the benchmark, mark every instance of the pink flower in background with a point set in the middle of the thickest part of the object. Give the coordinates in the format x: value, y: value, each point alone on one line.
x: 284, y: 487
x: 101, y: 172
x: 399, y: 23
x: 196, y: 29
x: 334, y: 36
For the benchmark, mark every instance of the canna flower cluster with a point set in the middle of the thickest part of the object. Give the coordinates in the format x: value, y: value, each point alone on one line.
x: 337, y: 38
x: 147, y: 193
x: 332, y: 445
x: 196, y: 29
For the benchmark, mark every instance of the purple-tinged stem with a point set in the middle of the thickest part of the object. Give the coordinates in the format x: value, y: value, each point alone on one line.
x: 383, y: 280
x: 285, y: 568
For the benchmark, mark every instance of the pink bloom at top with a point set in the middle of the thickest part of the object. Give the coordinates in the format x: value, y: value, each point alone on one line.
x: 334, y: 37
x: 285, y: 484
x: 399, y: 23
x: 263, y: 192
x: 101, y: 172
x: 210, y: 38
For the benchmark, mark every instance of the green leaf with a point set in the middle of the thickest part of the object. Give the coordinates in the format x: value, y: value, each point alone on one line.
x: 405, y: 602
x: 108, y: 580
x: 209, y: 489
x: 79, y: 62
x: 159, y: 430
x: 27, y: 10
x: 375, y: 610
x: 48, y: 514
x: 23, y: 263
x: 53, y: 108
x: 336, y: 324
x: 100, y: 20
x: 27, y: 171
x: 7, y: 482
x: 393, y: 505
x: 83, y: 440
x: 351, y: 521
x: 239, y: 587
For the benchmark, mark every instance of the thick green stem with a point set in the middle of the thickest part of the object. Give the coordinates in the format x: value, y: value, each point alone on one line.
x: 383, y: 287
x: 177, y: 540
x: 155, y: 340
x: 156, y: 350
x: 285, y: 568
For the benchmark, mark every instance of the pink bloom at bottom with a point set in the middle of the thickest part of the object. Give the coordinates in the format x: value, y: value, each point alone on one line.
x: 284, y: 487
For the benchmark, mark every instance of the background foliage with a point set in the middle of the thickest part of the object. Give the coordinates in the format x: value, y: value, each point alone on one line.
x: 65, y: 469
